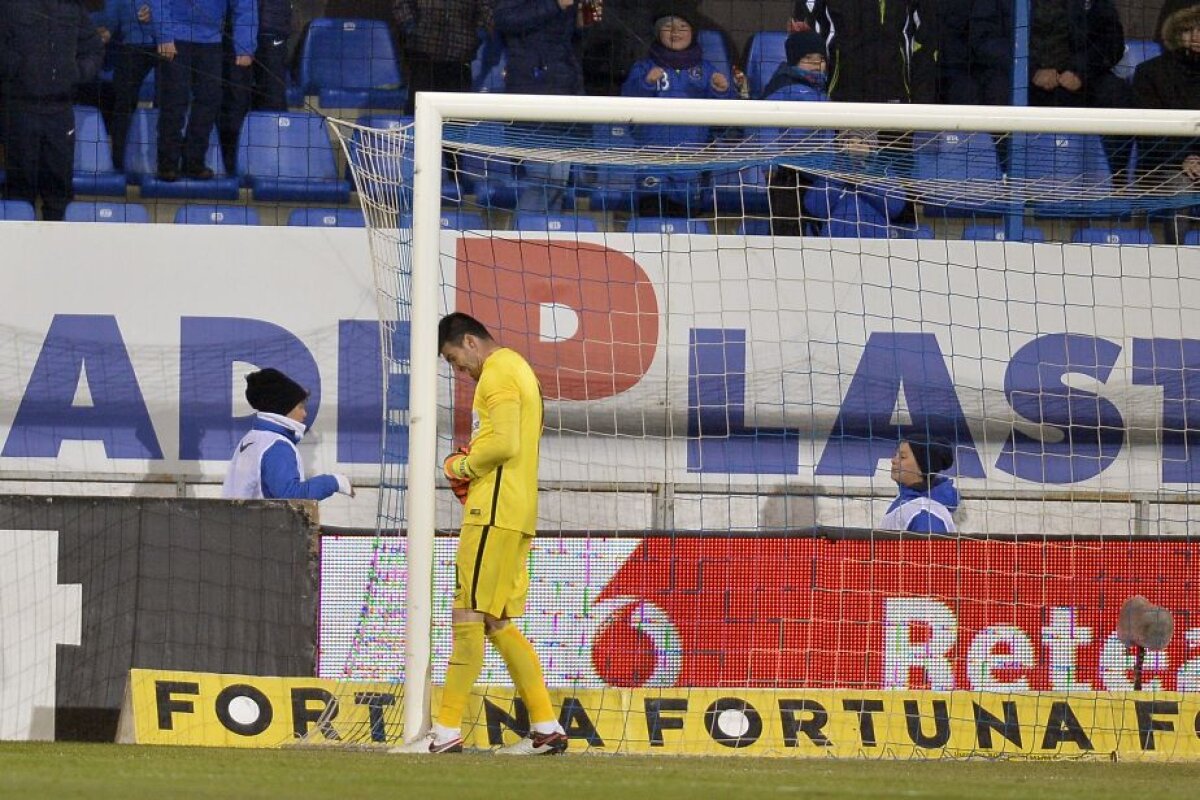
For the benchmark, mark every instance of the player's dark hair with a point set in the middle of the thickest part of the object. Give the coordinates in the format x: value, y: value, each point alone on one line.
x: 453, y: 327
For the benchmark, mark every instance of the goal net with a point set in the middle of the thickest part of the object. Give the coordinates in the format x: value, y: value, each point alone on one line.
x: 734, y: 340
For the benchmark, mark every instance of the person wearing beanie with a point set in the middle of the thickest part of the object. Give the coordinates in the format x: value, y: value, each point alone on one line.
x: 1172, y: 80
x: 804, y: 75
x: 266, y: 462
x: 674, y: 67
x: 926, y: 499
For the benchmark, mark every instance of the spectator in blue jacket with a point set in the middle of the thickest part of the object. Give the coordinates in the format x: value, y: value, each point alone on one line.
x: 926, y: 500
x: 48, y: 48
x: 266, y: 463
x: 849, y: 209
x: 540, y: 41
x: 802, y: 78
x: 673, y: 68
x: 188, y: 33
x: 134, y: 54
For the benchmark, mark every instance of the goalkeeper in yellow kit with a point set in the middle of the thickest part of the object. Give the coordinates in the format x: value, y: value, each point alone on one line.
x: 496, y: 477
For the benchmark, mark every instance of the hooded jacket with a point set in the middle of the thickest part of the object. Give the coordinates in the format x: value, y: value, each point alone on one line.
x: 923, y: 510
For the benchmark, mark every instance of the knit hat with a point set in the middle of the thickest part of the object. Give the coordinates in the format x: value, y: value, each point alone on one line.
x: 932, y: 456
x: 271, y: 391
x: 798, y: 45
x: 663, y: 15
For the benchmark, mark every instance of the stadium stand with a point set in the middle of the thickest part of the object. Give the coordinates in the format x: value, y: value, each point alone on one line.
x: 219, y: 214
x: 995, y: 232
x: 351, y: 63
x: 765, y: 54
x: 529, y: 221
x: 754, y: 226
x: 487, y: 68
x: 289, y: 156
x: 955, y: 156
x: 713, y: 49
x: 1136, y: 51
x: 668, y: 225
x: 100, y: 211
x: 1102, y: 235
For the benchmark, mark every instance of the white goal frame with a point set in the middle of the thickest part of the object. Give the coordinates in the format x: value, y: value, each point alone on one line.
x: 433, y: 108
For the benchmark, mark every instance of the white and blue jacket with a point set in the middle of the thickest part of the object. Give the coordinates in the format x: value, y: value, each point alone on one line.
x: 266, y: 464
x: 923, y: 511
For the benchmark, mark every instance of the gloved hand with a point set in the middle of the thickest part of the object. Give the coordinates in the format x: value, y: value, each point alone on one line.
x: 457, y: 473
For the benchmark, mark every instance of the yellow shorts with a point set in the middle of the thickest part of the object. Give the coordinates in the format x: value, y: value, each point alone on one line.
x: 492, y: 570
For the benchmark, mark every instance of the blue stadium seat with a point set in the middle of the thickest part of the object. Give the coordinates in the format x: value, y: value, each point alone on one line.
x: 401, y: 165
x: 93, y: 171
x: 82, y: 211
x: 327, y: 218
x: 995, y: 232
x: 553, y: 223
x: 463, y: 221
x: 16, y: 210
x: 1192, y: 238
x: 218, y: 214
x: 1136, y: 51
x: 754, y: 226
x: 141, y: 163
x: 765, y: 54
x: 956, y: 156
x: 668, y: 225
x: 289, y: 156
x: 713, y: 49
x: 351, y: 63
x: 1102, y: 235
x: 1071, y: 165
x: 489, y: 65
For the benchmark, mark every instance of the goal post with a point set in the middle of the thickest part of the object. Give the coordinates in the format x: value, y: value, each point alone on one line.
x: 436, y: 117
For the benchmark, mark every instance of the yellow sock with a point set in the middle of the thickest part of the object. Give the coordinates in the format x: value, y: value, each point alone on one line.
x: 466, y: 662
x: 526, y: 672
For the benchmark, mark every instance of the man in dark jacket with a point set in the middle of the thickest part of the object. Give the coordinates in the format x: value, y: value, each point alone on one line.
x: 47, y: 49
x: 261, y: 86
x: 440, y: 39
x: 1172, y: 80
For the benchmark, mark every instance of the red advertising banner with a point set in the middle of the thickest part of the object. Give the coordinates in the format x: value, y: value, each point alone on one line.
x: 936, y: 613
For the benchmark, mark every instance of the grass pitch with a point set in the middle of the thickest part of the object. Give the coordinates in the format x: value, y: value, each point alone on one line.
x: 126, y: 772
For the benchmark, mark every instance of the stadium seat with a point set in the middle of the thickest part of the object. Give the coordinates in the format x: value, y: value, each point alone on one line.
x: 1192, y: 238
x: 995, y: 232
x: 327, y: 218
x: 1136, y: 51
x: 553, y: 223
x: 288, y: 156
x: 82, y: 211
x: 141, y: 164
x: 463, y: 221
x: 668, y: 225
x: 713, y: 49
x: 765, y: 54
x: 754, y: 226
x: 1071, y: 165
x: 1102, y: 235
x: 93, y: 171
x: 16, y: 210
x: 218, y: 214
x: 489, y: 65
x: 351, y: 63
x: 956, y: 156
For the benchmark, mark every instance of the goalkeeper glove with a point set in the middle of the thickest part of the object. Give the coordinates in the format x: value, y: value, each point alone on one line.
x: 457, y: 473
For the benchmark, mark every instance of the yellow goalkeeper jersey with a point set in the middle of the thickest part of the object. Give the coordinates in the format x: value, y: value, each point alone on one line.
x: 507, y: 430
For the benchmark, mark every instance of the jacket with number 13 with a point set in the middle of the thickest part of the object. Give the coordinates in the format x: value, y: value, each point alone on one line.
x: 507, y: 416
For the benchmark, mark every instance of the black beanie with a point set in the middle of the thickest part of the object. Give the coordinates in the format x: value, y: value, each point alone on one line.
x: 798, y: 45
x: 664, y: 11
x: 932, y: 456
x: 271, y: 391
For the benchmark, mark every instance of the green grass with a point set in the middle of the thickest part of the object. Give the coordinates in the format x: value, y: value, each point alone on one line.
x: 126, y: 772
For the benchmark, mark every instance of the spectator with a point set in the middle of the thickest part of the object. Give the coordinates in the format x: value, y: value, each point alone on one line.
x: 134, y: 55
x: 926, y: 499
x: 878, y: 52
x: 850, y: 209
x: 801, y: 79
x: 1168, y: 8
x: 1172, y: 80
x: 440, y: 39
x: 674, y: 68
x: 189, y: 34
x: 610, y: 47
x: 539, y: 39
x: 47, y: 49
x: 261, y: 85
